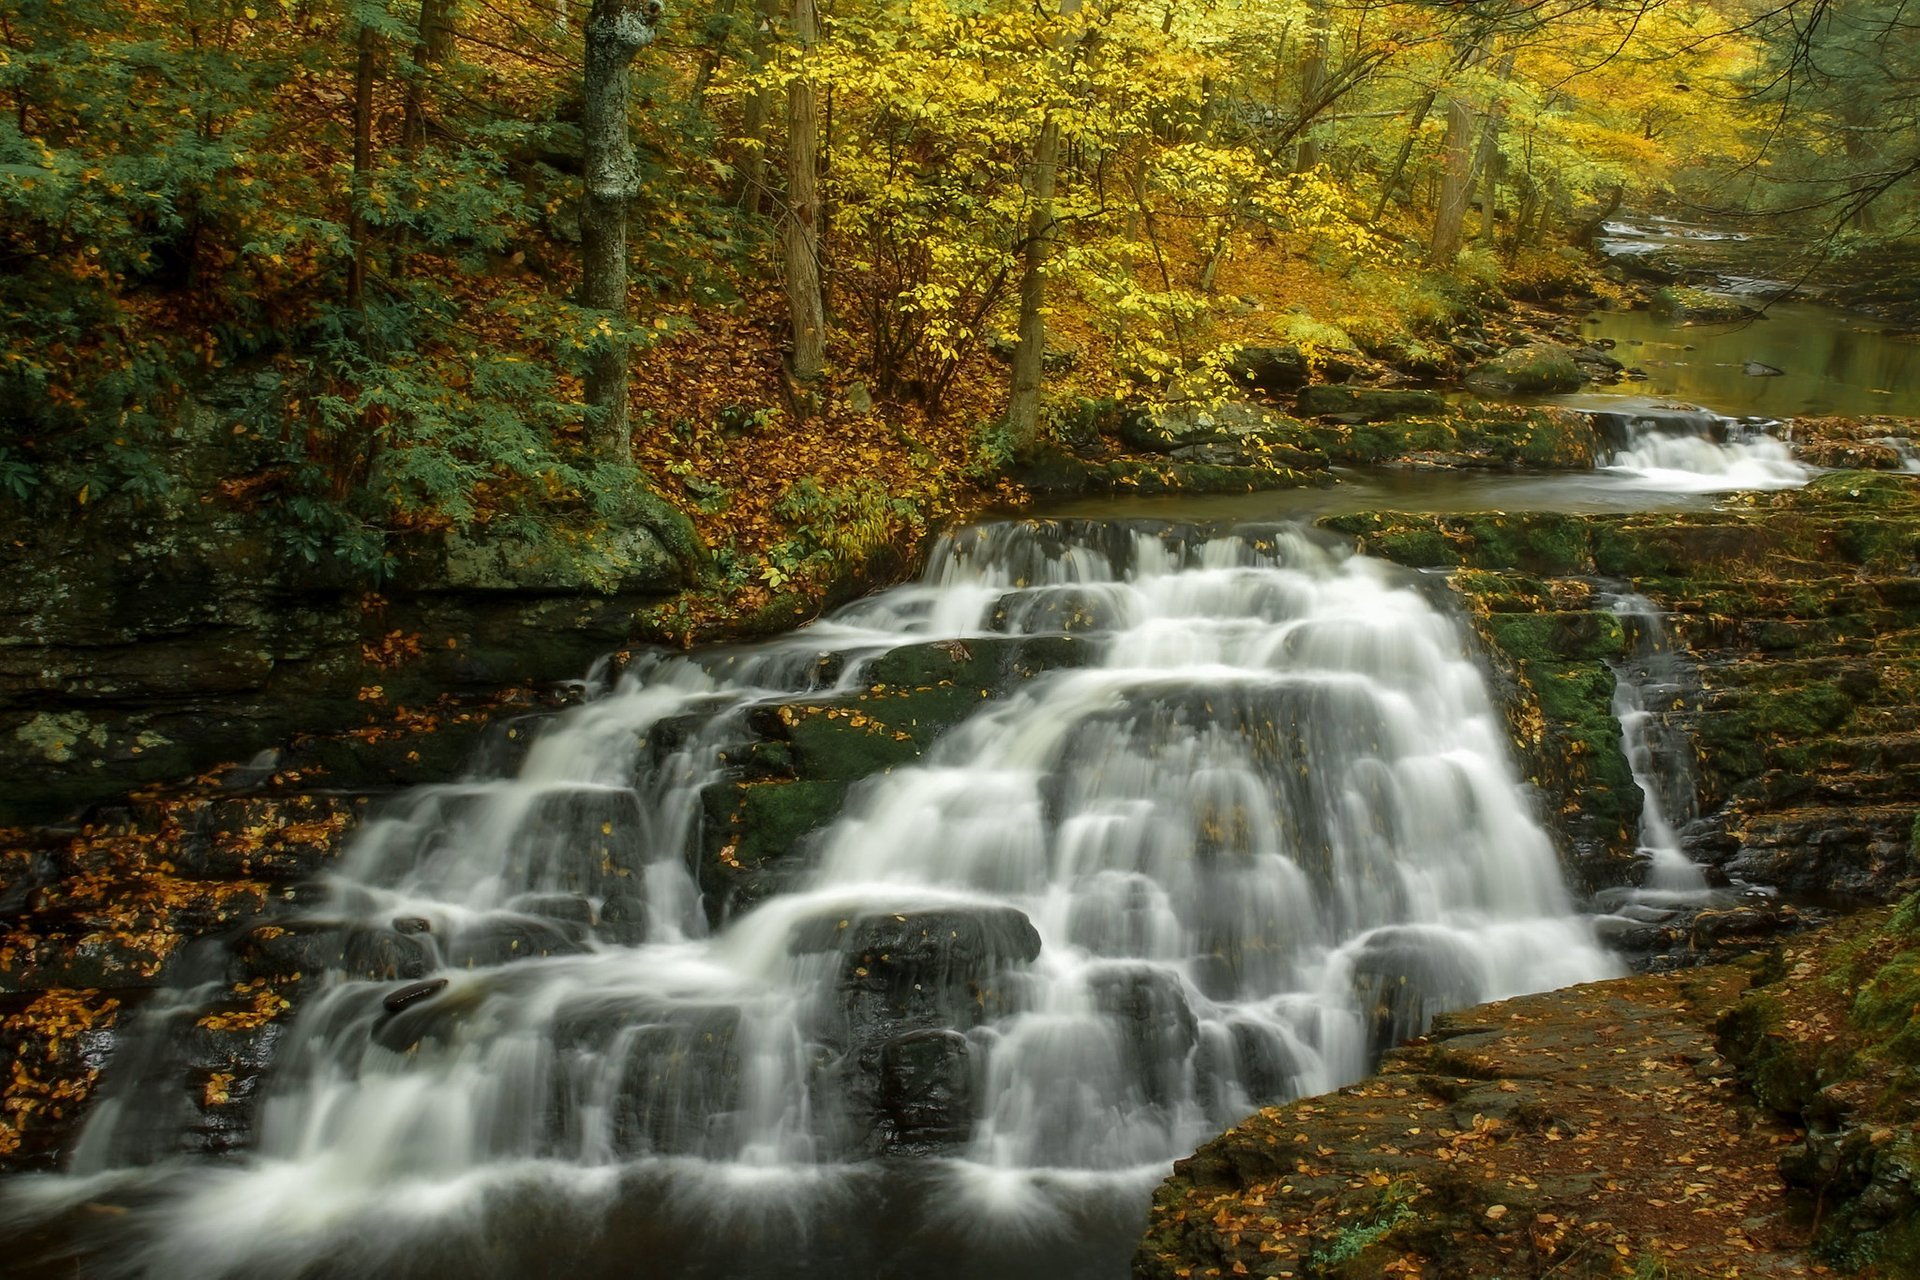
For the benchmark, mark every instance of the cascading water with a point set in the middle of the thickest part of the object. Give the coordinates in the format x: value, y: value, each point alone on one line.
x: 1266, y: 826
x: 1682, y: 448
x: 1658, y: 753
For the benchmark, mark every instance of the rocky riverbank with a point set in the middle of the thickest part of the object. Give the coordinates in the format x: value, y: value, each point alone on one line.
x: 1738, y: 1120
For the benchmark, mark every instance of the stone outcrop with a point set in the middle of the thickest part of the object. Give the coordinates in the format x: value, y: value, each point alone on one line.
x: 1798, y: 614
x: 1579, y: 1133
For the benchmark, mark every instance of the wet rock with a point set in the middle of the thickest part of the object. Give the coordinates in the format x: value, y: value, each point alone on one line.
x: 678, y: 1091
x: 311, y: 948
x: 413, y: 993
x: 1157, y: 1025
x: 504, y: 938
x: 1403, y: 976
x: 918, y: 969
x: 280, y: 839
x: 924, y: 1093
x: 754, y: 835
x: 1270, y: 370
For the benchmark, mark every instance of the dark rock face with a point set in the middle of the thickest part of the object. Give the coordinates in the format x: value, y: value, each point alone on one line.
x: 1798, y: 620
x: 1271, y: 371
x: 909, y: 986
x: 146, y: 643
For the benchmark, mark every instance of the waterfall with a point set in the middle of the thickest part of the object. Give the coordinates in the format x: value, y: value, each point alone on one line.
x: 1683, y: 448
x: 1658, y: 754
x: 1268, y: 827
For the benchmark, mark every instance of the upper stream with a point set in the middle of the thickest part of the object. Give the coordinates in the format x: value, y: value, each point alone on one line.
x: 1244, y: 816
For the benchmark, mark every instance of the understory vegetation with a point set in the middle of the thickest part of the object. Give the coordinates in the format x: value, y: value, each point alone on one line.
x: 354, y: 227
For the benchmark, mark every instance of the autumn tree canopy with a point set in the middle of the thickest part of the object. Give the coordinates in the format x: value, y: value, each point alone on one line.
x: 360, y: 223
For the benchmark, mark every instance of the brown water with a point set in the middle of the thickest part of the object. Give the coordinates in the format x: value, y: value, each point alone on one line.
x: 1833, y: 362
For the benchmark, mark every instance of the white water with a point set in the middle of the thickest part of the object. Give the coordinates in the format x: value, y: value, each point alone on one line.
x: 1683, y: 449
x: 1272, y: 829
x: 1648, y: 679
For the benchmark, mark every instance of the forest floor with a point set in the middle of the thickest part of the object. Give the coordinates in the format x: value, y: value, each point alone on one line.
x: 1587, y: 1132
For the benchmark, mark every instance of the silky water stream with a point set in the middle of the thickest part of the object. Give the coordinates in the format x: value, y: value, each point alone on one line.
x: 1269, y: 827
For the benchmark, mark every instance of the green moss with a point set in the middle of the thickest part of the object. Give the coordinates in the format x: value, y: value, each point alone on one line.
x: 669, y: 524
x: 1502, y: 592
x: 1537, y: 637
x: 1546, y: 544
x: 776, y: 816
x: 1581, y: 747
x: 1864, y: 488
x: 1375, y: 404
x: 1539, y: 369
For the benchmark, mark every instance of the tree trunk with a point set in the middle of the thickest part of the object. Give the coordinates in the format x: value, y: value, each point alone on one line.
x: 1456, y: 183
x: 1313, y: 83
x: 800, y: 232
x: 1420, y: 111
x: 362, y: 169
x: 616, y: 30
x: 1023, y: 404
x: 431, y: 47
x: 1030, y: 346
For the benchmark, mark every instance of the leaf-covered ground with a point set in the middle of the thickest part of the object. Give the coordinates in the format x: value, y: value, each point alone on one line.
x: 1595, y: 1131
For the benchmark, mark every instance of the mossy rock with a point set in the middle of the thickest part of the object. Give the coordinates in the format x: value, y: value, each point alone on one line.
x: 1370, y: 404
x: 1685, y: 305
x: 1543, y: 637
x: 751, y: 834
x: 1536, y: 369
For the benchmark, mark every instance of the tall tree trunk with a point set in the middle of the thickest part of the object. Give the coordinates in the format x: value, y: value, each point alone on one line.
x: 1029, y: 352
x: 362, y: 169
x: 1421, y: 109
x: 1313, y: 83
x: 1030, y: 345
x: 616, y: 30
x: 1456, y: 183
x: 800, y: 232
x: 431, y: 47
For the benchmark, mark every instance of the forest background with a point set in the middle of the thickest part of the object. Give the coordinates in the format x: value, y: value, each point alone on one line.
x: 815, y: 272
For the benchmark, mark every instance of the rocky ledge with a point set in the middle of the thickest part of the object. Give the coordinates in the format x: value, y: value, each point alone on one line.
x: 1755, y: 1119
x: 1587, y: 1132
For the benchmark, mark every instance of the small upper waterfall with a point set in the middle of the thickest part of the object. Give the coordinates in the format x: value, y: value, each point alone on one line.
x: 1268, y: 826
x: 1686, y: 448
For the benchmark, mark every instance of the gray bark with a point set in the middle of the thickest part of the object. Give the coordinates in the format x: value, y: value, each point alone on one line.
x: 1456, y: 182
x: 1030, y: 348
x: 616, y: 30
x: 1313, y: 83
x: 1023, y: 403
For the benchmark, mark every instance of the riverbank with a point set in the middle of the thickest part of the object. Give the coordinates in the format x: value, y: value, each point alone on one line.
x: 1739, y: 1120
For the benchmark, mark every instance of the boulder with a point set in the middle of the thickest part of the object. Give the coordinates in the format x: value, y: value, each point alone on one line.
x: 1535, y: 369
x: 1367, y: 404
